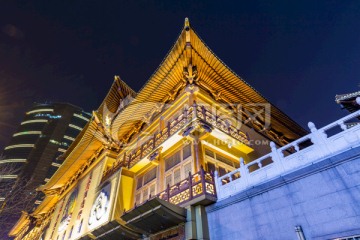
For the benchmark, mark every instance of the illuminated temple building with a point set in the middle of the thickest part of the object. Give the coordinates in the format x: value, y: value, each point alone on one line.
x: 144, y: 167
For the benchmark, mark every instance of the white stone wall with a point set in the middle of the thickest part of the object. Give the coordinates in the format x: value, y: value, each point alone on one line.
x: 323, y: 198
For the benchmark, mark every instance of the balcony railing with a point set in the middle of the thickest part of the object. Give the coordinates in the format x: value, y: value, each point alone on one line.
x: 307, y: 150
x: 184, y: 118
x: 196, y: 186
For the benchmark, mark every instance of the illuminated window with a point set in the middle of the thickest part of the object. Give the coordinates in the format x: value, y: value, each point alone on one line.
x: 81, y: 117
x: 172, y: 160
x: 139, y: 182
x: 26, y: 133
x: 150, y: 175
x: 186, y: 151
x: 47, y: 115
x: 138, y: 199
x: 187, y: 168
x: 8, y: 176
x: 58, y: 143
x: 145, y: 194
x: 55, y: 164
x: 178, y: 166
x: 177, y: 176
x: 40, y: 110
x: 61, y: 150
x: 14, y: 160
x: 69, y: 138
x: 218, y: 162
x: 168, y: 180
x: 146, y: 186
x: 54, y: 142
x: 35, y: 121
x: 20, y: 146
x: 75, y: 127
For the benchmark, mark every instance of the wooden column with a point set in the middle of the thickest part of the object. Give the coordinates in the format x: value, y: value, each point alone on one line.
x: 161, y: 173
x: 198, y: 151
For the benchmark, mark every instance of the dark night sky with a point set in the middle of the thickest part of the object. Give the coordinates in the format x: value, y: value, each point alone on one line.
x: 298, y: 54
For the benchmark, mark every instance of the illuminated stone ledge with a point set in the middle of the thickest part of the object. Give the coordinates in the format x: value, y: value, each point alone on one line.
x: 305, y: 151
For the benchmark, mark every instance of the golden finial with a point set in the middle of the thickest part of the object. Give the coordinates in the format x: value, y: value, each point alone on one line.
x: 187, y: 24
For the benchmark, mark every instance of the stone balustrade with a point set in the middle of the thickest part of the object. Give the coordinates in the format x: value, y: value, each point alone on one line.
x: 314, y: 147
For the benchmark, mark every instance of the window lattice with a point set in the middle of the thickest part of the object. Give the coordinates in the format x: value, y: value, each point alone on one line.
x: 150, y: 175
x: 172, y: 160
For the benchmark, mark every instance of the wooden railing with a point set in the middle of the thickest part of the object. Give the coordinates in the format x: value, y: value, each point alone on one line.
x: 185, y: 117
x: 193, y: 187
x: 307, y: 150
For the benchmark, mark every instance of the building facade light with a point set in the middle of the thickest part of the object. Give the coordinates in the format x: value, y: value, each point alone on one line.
x: 14, y: 160
x: 81, y: 117
x: 20, y: 146
x: 35, y: 121
x: 75, y: 127
x: 27, y: 133
x: 40, y: 110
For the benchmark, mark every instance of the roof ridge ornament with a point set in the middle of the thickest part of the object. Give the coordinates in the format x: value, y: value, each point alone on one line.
x: 190, y: 74
x: 187, y: 30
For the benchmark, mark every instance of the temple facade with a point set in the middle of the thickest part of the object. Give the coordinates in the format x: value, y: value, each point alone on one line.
x: 144, y: 165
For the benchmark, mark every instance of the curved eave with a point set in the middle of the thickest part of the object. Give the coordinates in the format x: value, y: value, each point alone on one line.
x: 20, y: 224
x: 46, y: 205
x: 118, y: 91
x: 85, y: 145
x: 348, y: 96
x: 160, y: 84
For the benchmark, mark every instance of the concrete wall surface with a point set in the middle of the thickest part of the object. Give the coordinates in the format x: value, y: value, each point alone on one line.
x: 323, y: 198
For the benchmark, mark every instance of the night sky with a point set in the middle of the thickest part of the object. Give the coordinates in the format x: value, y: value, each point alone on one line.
x: 298, y: 54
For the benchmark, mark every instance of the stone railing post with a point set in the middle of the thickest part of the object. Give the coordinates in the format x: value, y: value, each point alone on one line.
x: 319, y: 139
x: 217, y: 184
x: 244, y: 173
x: 277, y: 157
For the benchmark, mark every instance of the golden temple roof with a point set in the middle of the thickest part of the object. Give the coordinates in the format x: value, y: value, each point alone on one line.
x: 190, y: 59
x: 209, y: 72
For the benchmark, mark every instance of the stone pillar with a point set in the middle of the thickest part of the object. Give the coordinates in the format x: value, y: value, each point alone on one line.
x: 190, y: 225
x: 196, y: 226
x: 202, y: 226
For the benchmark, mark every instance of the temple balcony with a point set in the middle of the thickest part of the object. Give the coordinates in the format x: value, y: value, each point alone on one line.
x: 186, y: 120
x: 198, y: 188
x: 167, y: 208
x: 320, y: 144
